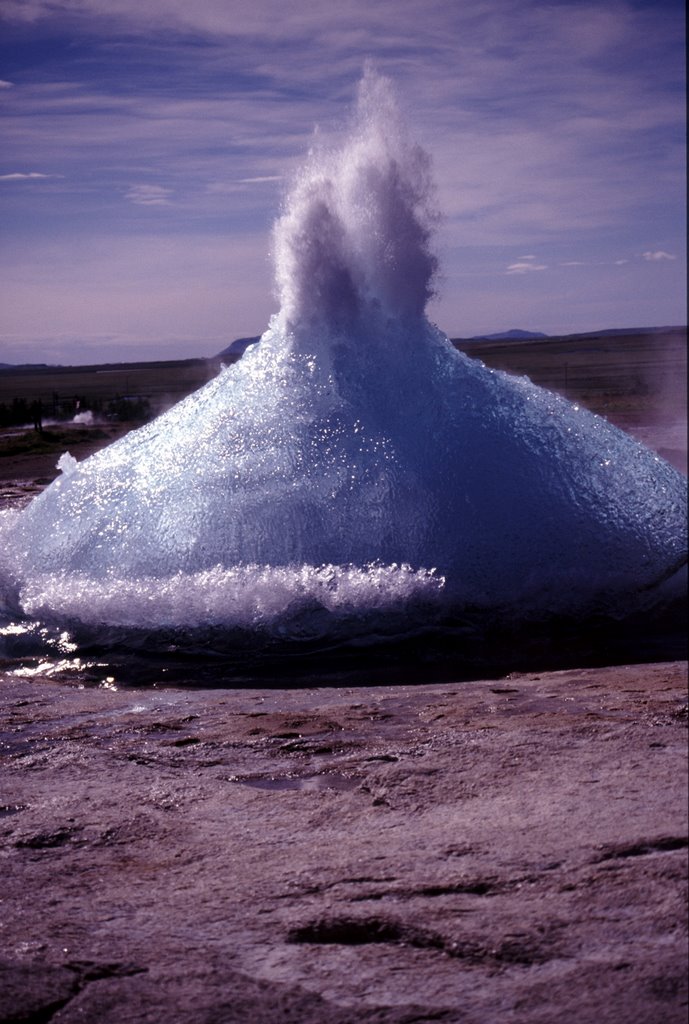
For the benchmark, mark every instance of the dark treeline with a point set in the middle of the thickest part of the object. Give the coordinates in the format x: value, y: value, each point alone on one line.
x: 22, y: 412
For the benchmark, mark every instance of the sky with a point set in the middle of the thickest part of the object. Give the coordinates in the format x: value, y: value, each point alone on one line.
x: 147, y: 146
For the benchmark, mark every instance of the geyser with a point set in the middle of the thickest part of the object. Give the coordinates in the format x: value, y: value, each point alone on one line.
x: 353, y: 464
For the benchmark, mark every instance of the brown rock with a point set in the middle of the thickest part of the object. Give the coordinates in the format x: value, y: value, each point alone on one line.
x: 483, y: 851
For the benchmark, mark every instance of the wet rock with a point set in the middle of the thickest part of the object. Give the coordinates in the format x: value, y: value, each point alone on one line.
x: 34, y: 991
x: 492, y: 850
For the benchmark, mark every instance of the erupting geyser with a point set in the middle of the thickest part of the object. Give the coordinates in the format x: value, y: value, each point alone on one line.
x: 353, y: 463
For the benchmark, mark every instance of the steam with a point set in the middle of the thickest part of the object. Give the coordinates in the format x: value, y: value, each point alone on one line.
x: 354, y: 238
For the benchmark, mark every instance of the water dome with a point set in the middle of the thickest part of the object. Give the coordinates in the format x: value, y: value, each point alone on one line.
x: 353, y: 465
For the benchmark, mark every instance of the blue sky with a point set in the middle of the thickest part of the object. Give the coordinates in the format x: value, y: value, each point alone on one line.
x: 147, y: 145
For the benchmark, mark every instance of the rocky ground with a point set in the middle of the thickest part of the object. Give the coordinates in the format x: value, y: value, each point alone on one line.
x: 488, y: 851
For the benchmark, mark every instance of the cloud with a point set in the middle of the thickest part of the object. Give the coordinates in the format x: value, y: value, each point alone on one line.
x: 593, y: 263
x: 22, y: 176
x: 5, y: 85
x: 553, y: 129
x: 658, y: 255
x: 149, y: 195
x: 260, y: 180
x: 524, y: 265
x: 221, y: 188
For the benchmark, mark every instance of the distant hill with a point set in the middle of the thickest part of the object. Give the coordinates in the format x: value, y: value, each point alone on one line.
x: 612, y: 332
x: 513, y: 335
x: 238, y: 347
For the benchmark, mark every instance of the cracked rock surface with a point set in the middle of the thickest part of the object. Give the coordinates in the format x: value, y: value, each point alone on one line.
x: 488, y: 851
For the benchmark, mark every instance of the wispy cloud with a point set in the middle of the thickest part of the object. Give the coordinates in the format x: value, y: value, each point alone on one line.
x: 23, y: 176
x: 260, y: 180
x: 525, y: 265
x: 658, y: 256
x: 241, y: 184
x: 593, y: 263
x: 148, y: 195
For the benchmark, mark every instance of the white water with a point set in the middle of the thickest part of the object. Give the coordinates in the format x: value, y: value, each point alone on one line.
x: 353, y: 462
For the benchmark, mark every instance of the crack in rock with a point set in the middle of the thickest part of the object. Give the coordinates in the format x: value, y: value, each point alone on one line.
x: 478, y: 887
x: 355, y: 931
x: 48, y: 840
x: 32, y: 993
x: 518, y: 949
x: 644, y: 847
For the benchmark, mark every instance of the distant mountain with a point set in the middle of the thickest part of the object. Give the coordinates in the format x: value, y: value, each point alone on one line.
x: 518, y: 335
x: 513, y: 335
x: 611, y: 332
x: 237, y: 348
